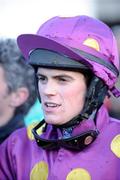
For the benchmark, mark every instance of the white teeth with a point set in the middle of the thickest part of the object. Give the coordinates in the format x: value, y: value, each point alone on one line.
x: 51, y: 104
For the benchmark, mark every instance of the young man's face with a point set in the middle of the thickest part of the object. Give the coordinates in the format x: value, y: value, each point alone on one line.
x: 62, y: 94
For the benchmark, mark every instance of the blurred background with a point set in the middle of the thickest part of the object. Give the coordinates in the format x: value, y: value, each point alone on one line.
x: 25, y: 16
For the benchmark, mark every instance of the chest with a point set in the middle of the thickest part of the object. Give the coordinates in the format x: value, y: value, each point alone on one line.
x: 92, y: 164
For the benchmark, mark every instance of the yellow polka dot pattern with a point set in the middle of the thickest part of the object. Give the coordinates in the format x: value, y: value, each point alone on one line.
x: 29, y: 130
x: 39, y: 171
x: 78, y: 174
x: 115, y: 145
x: 92, y: 43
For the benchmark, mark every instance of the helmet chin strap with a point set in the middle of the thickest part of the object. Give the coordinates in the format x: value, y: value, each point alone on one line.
x: 97, y: 91
x: 94, y: 99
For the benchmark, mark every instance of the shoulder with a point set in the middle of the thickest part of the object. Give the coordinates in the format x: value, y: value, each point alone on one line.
x: 19, y: 138
x: 114, y: 125
x: 115, y: 120
x: 20, y: 145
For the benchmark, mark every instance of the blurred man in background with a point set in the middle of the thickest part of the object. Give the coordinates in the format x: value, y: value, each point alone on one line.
x: 17, y: 91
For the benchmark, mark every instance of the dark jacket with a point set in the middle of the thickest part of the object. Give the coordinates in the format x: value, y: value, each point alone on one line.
x: 15, y: 123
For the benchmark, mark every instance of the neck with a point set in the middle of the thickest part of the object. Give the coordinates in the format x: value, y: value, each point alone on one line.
x: 73, y: 122
x: 6, y: 117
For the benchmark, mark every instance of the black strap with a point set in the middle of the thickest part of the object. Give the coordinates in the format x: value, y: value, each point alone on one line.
x: 101, y: 61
